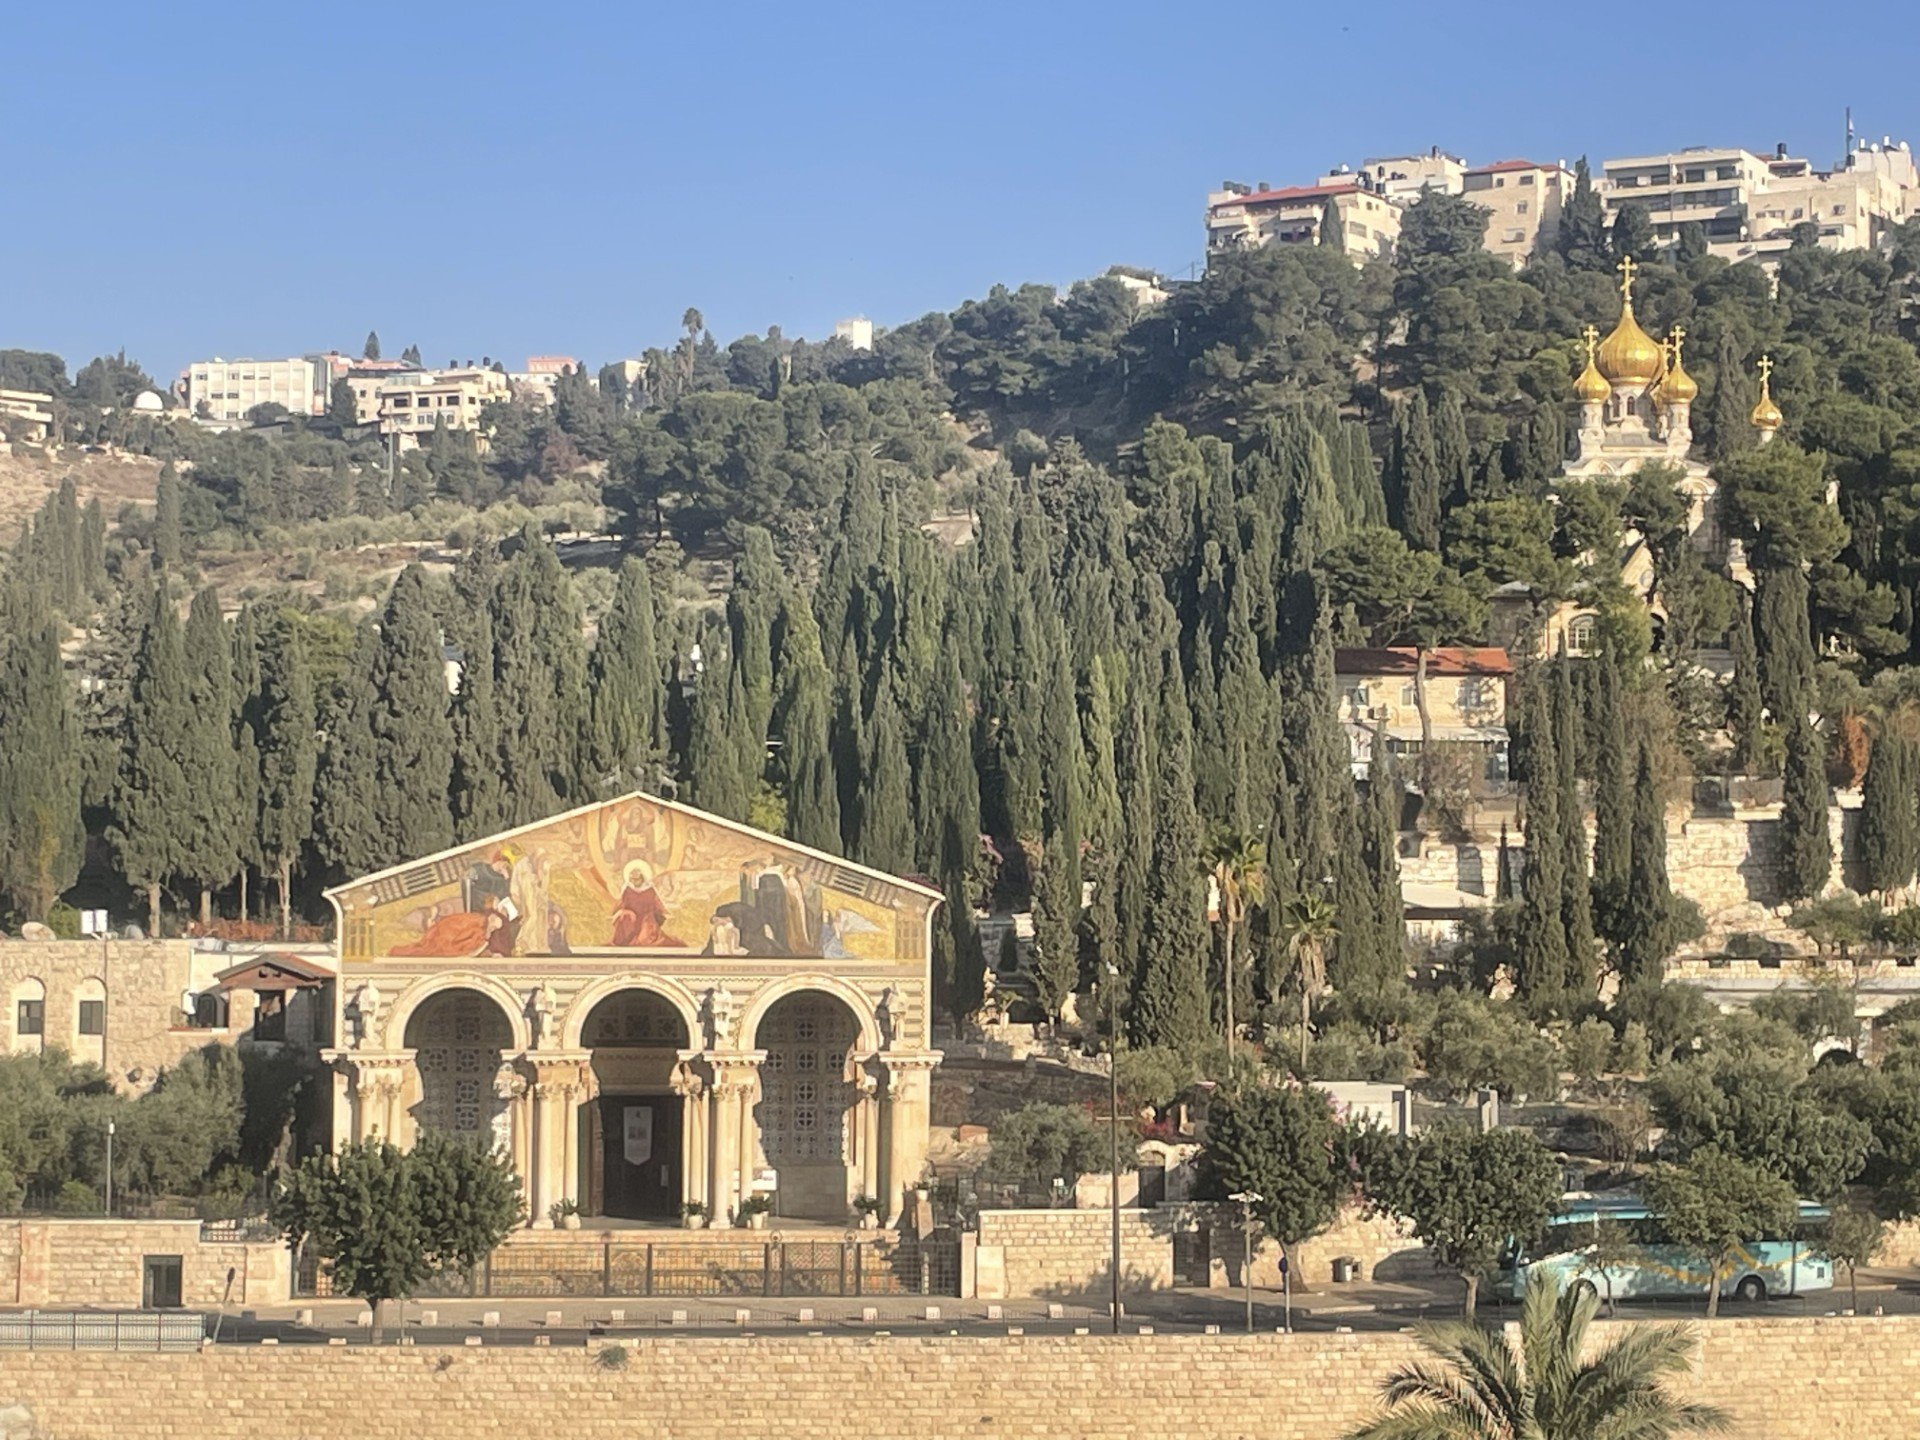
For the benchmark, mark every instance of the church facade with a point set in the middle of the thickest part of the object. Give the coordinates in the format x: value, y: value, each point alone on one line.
x: 648, y: 1008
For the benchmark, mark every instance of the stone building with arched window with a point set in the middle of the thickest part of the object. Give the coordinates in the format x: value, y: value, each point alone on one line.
x: 644, y: 1006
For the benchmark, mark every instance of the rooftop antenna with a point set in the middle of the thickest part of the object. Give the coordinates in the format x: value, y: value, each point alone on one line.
x: 1848, y: 162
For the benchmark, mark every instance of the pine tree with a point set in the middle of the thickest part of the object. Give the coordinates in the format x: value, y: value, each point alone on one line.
x: 169, y: 543
x: 42, y: 839
x: 371, y: 350
x: 626, y: 691
x: 347, y: 827
x: 284, y: 730
x: 1170, y: 1007
x: 1744, y: 705
x: 1577, y: 898
x: 1889, y: 834
x: 1806, y: 848
x: 1413, y: 500
x: 213, y: 821
x: 1645, y: 928
x: 155, y: 787
x: 804, y: 722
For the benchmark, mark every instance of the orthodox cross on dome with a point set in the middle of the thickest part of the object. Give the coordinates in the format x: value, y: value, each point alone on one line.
x: 1766, y: 368
x: 1626, y: 268
x: 1677, y: 335
x: 1592, y: 337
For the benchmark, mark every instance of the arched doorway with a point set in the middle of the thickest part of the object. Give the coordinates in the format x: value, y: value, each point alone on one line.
x: 807, y: 1100
x: 459, y: 1038
x: 630, y: 1139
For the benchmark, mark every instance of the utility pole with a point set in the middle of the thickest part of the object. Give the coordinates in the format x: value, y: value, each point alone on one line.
x: 1246, y: 1200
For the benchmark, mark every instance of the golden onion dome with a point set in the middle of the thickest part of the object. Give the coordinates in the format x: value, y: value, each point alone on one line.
x: 1678, y: 387
x: 1591, y: 388
x: 1630, y: 356
x: 1766, y: 415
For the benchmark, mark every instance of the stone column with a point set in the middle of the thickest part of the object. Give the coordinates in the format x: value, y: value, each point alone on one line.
x: 510, y: 1085
x: 691, y: 1086
x: 375, y: 1083
x: 908, y: 1114
x: 735, y: 1087
x: 560, y: 1078
x: 863, y: 1129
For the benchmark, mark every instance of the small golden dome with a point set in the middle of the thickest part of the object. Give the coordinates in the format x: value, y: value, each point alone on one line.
x: 1630, y: 356
x: 1766, y: 415
x: 1678, y: 388
x: 1591, y: 388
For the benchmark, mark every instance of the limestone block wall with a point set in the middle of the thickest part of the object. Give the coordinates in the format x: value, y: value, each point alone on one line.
x: 58, y: 1263
x: 141, y: 982
x: 1785, y: 1379
x: 1065, y: 1253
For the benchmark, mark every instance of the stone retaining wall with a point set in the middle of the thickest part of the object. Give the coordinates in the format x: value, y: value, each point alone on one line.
x: 59, y: 1263
x: 1064, y: 1253
x: 1837, y: 1379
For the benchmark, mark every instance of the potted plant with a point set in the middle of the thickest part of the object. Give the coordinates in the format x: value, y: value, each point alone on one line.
x: 754, y: 1211
x: 868, y: 1208
x: 694, y: 1215
x: 564, y: 1214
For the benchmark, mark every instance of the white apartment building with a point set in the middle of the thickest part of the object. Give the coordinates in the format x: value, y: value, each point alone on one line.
x: 1243, y: 217
x: 1749, y: 204
x: 26, y: 415
x: 413, y: 403
x: 856, y: 331
x: 1524, y: 199
x: 1402, y: 178
x: 225, y: 390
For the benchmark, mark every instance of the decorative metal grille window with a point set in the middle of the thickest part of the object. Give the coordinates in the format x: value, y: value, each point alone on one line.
x: 457, y: 1039
x: 635, y: 1018
x: 804, y: 1092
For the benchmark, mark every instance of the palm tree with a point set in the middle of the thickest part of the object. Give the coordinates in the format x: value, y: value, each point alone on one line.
x: 1307, y: 920
x: 1237, y: 865
x: 1479, y: 1386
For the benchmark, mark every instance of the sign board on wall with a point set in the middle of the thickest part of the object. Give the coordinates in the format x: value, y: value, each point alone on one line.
x: 637, y: 1125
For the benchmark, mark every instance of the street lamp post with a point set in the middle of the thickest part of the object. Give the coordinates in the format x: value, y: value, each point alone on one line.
x: 1246, y: 1200
x: 109, y: 1167
x: 1113, y: 1131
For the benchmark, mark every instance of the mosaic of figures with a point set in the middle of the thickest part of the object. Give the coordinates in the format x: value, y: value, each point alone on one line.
x: 637, y: 875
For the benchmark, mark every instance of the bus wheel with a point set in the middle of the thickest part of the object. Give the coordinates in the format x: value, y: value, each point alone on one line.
x: 1583, y: 1290
x: 1751, y: 1288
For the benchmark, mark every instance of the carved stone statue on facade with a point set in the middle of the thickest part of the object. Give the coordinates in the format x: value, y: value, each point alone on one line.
x: 366, y: 1015
x: 886, y: 1017
x: 543, y: 1005
x: 721, y: 1016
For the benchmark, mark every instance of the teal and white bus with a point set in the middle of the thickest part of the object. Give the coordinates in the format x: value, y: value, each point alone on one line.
x: 1655, y: 1267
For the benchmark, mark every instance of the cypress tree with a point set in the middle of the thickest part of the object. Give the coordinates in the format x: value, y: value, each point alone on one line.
x: 1582, y: 237
x: 1889, y: 834
x: 169, y: 543
x: 626, y: 692
x: 93, y: 549
x: 755, y: 601
x: 804, y: 722
x: 479, y: 799
x: 1612, y: 794
x: 412, y: 726
x: 42, y: 839
x: 289, y: 758
x: 1453, y: 453
x: 214, y: 822
x: 1785, y: 643
x: 1413, y: 502
x: 1380, y: 851
x: 885, y: 822
x: 1806, y: 848
x: 1320, y: 759
x: 539, y: 672
x: 1744, y: 705
x: 1646, y: 919
x: 156, y: 782
x: 1543, y: 958
x: 1366, y: 501
x: 346, y: 818
x: 1133, y: 868
x: 948, y: 791
x: 1729, y: 431
x: 1577, y: 898
x: 720, y: 782
x: 1170, y: 1007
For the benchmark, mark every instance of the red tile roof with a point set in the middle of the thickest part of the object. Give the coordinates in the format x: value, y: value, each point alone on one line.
x: 1404, y: 660
x: 1294, y: 192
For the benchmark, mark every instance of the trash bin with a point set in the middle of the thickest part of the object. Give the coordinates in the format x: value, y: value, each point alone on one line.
x: 1344, y: 1267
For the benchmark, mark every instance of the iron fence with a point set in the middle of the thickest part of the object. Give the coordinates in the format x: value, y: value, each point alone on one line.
x: 97, y: 1330
x: 600, y: 1269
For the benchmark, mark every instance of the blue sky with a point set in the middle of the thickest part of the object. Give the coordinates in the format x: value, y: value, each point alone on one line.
x: 519, y: 178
